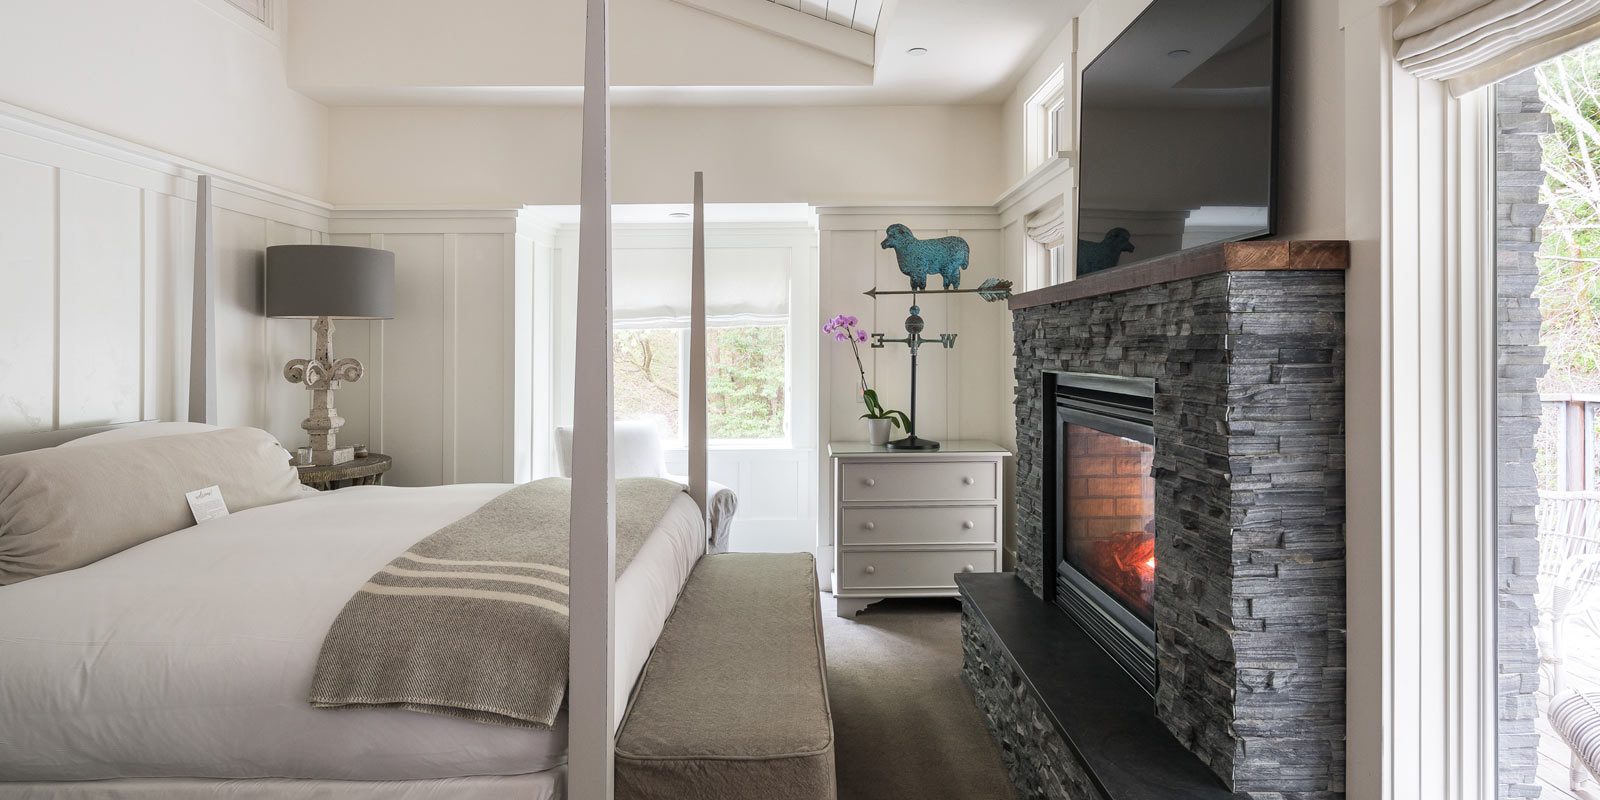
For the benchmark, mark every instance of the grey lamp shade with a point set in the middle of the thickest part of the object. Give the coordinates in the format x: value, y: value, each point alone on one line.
x: 325, y: 280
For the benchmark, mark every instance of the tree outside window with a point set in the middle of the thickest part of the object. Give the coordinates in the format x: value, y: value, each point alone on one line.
x: 746, y: 380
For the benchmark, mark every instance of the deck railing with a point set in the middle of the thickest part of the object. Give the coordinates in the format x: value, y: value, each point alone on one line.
x: 1575, y: 439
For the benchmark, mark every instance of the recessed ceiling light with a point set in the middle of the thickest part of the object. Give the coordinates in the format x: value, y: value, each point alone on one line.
x: 679, y: 214
x: 917, y: 51
x: 1178, y: 53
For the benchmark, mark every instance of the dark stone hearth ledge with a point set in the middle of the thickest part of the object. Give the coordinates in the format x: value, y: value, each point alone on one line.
x: 1266, y: 256
x: 1106, y: 719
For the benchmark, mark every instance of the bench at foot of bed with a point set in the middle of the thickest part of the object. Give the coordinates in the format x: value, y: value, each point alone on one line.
x: 733, y: 704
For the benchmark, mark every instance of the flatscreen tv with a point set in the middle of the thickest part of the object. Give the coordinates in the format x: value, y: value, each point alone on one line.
x: 1177, y: 135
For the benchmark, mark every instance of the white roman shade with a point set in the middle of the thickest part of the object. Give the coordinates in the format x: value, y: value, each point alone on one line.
x: 1473, y: 43
x: 744, y: 286
x: 1048, y: 225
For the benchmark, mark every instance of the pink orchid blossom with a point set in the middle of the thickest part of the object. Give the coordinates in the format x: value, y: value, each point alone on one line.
x: 844, y: 329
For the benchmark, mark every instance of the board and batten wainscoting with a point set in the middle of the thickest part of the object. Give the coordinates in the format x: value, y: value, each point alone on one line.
x: 449, y: 374
x: 962, y: 393
x: 95, y: 282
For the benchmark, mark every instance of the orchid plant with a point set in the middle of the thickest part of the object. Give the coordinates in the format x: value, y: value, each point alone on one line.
x: 845, y: 328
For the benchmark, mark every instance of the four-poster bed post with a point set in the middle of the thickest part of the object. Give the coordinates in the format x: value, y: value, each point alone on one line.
x: 591, y: 715
x: 202, y: 331
x: 697, y: 350
x: 591, y: 709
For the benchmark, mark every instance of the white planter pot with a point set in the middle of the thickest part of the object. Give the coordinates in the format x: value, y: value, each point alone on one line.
x: 878, y: 431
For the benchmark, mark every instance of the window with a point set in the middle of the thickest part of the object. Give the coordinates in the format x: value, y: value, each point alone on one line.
x: 747, y: 384
x: 1046, y: 230
x: 1057, y: 259
x: 648, y: 376
x: 1044, y: 114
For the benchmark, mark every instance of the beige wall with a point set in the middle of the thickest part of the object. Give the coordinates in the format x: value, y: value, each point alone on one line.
x: 191, y: 78
x: 513, y: 156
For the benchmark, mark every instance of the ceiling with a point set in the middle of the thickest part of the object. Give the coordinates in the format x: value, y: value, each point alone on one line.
x: 861, y: 15
x: 672, y: 52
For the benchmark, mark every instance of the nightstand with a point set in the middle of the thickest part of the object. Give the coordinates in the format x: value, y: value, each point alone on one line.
x: 365, y: 471
x: 907, y: 521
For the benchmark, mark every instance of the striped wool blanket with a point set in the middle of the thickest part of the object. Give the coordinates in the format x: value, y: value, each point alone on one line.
x: 472, y: 621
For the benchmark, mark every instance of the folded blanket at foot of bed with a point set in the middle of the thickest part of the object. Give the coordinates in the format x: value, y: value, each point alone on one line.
x: 472, y: 620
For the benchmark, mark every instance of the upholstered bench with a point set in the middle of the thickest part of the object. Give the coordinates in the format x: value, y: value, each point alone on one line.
x: 733, y: 703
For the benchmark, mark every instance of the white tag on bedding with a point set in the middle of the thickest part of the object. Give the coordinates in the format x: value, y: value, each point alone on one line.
x: 207, y: 504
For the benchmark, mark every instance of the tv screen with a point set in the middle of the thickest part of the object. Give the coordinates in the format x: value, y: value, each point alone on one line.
x: 1177, y: 133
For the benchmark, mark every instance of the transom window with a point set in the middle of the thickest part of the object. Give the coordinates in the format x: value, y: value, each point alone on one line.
x: 1043, y: 115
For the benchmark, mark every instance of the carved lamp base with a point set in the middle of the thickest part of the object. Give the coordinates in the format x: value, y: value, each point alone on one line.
x: 322, y: 375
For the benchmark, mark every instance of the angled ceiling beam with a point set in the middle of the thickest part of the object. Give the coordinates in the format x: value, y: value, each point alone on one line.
x: 796, y: 26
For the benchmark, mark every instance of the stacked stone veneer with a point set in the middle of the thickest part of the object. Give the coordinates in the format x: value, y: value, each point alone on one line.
x: 1041, y: 764
x: 1249, y: 468
x: 1519, y: 174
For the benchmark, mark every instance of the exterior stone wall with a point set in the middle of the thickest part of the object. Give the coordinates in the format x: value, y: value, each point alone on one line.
x: 1041, y: 764
x: 1519, y: 174
x: 1249, y: 422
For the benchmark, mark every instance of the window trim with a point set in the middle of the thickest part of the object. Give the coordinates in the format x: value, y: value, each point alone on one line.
x: 1042, y: 138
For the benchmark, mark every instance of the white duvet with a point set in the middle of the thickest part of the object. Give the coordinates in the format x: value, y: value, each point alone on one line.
x: 191, y: 655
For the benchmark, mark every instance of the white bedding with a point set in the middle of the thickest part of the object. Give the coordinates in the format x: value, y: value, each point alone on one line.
x: 191, y: 655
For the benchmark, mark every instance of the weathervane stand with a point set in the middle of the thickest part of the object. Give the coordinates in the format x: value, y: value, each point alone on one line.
x: 914, y: 340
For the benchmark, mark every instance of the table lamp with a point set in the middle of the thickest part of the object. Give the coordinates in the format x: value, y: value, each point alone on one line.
x: 324, y: 282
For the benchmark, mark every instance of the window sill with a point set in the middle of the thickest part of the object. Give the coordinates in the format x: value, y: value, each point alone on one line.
x: 1036, y: 179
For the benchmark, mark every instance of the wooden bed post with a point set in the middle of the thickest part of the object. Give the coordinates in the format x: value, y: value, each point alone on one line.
x: 697, y: 351
x: 591, y: 716
x: 202, y: 333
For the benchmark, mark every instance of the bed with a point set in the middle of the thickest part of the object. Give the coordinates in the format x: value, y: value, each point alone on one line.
x: 190, y: 656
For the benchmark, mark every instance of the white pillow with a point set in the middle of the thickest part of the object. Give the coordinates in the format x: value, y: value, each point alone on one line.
x: 64, y: 507
x: 637, y: 453
x: 143, y: 430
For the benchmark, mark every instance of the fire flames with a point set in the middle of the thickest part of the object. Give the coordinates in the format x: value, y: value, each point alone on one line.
x: 1128, y: 566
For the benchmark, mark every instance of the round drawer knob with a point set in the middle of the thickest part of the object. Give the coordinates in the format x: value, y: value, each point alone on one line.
x: 871, y: 569
x: 871, y: 526
x: 967, y: 525
x: 870, y: 482
x: 967, y: 481
x: 967, y: 568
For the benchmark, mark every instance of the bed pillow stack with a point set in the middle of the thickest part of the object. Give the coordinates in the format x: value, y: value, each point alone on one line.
x: 66, y: 507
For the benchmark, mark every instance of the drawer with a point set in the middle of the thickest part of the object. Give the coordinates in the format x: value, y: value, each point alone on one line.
x: 927, y: 480
x: 929, y: 525
x: 910, y: 569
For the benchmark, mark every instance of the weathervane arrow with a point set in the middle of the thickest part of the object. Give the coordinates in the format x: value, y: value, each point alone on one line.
x: 990, y: 290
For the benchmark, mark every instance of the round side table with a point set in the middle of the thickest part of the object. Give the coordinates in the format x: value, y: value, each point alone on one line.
x: 365, y: 471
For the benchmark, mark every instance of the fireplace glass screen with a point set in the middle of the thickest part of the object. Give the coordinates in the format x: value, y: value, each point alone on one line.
x: 1109, y: 533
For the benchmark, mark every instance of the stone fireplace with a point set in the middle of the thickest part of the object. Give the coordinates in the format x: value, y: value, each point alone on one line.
x: 1221, y: 533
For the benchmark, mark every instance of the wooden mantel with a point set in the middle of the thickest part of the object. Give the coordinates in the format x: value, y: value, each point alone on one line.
x: 1205, y: 260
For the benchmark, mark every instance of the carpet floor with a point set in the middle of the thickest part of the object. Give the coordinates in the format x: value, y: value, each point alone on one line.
x: 905, y: 724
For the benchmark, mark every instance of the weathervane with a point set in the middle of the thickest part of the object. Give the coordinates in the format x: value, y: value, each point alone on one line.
x: 919, y: 258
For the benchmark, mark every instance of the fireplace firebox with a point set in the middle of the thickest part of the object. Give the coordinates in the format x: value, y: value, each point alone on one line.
x: 1102, y: 436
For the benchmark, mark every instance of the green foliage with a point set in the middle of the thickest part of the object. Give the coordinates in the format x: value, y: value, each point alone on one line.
x: 875, y: 410
x: 746, y: 379
x: 1569, y: 255
x: 745, y: 382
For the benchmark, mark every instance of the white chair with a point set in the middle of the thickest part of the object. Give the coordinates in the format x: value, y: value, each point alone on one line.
x: 638, y: 453
x: 1569, y: 571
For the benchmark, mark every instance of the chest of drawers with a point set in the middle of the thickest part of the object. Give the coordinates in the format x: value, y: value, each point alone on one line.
x: 907, y: 522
